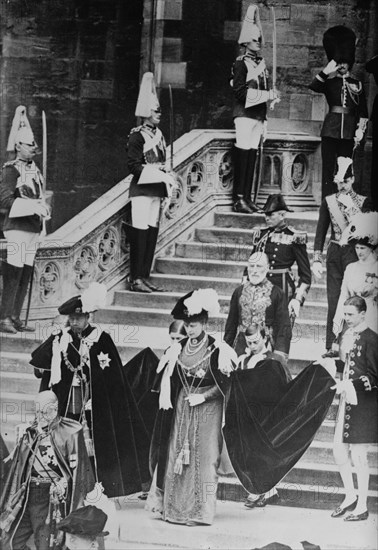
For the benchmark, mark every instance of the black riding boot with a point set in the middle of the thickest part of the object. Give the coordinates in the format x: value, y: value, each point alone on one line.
x: 138, y: 245
x: 252, y: 154
x: 11, y: 280
x: 240, y: 180
x: 152, y: 237
x: 26, y: 274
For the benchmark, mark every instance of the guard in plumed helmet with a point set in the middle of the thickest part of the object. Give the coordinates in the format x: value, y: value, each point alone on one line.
x: 252, y: 90
x: 336, y: 210
x: 284, y: 246
x: 346, y: 121
x: 22, y: 198
x: 150, y: 185
x: 82, y: 366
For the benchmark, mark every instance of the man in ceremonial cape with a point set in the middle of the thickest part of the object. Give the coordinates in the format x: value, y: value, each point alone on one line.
x: 49, y: 476
x: 82, y: 366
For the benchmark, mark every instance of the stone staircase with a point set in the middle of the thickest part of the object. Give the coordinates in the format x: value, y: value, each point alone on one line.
x: 214, y: 257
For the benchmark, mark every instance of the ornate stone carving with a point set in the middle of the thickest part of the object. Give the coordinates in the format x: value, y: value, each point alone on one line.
x: 85, y: 266
x: 108, y: 248
x: 195, y: 181
x: 299, y: 173
x: 178, y: 199
x: 226, y: 171
x: 49, y: 282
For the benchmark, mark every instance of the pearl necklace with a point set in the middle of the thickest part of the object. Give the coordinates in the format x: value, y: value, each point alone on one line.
x: 193, y: 348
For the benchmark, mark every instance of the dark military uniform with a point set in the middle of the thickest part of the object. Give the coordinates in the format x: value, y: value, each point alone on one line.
x: 285, y: 246
x: 347, y: 105
x: 243, y: 64
x: 361, y: 367
x: 334, y: 211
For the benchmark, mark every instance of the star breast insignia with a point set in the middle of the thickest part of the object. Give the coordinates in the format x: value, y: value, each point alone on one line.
x: 103, y: 359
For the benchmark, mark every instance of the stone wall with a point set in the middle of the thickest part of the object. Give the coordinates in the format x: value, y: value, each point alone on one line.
x: 81, y: 61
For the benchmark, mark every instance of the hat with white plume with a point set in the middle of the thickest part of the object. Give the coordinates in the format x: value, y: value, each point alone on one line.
x: 251, y: 26
x: 21, y: 131
x: 344, y: 169
x: 93, y: 298
x: 147, y: 98
x: 362, y: 229
x: 197, y: 304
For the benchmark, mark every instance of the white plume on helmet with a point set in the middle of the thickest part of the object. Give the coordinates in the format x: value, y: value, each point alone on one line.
x: 93, y: 297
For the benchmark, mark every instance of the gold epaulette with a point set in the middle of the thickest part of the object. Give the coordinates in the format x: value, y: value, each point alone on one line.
x: 136, y: 129
x: 299, y: 237
x: 9, y: 163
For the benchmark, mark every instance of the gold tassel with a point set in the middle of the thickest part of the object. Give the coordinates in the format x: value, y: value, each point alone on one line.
x: 178, y: 464
x: 186, y: 453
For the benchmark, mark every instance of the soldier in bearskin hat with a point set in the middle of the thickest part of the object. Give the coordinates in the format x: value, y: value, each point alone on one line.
x: 149, y: 186
x: 284, y: 246
x: 22, y: 198
x: 336, y: 211
x: 252, y: 89
x: 346, y: 120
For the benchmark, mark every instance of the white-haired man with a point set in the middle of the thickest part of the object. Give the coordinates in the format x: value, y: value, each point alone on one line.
x: 50, y: 475
x: 259, y: 301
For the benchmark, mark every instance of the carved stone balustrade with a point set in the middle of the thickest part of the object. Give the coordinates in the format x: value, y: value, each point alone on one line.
x: 93, y: 245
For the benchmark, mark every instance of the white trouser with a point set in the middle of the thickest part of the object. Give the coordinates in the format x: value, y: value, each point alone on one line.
x: 248, y: 132
x: 145, y: 212
x: 21, y: 247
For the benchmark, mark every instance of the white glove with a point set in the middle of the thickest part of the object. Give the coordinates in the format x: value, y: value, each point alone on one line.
x: 358, y: 136
x: 317, y: 269
x: 346, y: 386
x: 331, y: 67
x: 195, y: 399
x: 41, y: 209
x: 294, y: 307
x: 88, y: 405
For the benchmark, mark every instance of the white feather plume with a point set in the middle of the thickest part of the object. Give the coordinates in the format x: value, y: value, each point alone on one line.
x: 363, y: 225
x: 94, y: 297
x: 204, y: 298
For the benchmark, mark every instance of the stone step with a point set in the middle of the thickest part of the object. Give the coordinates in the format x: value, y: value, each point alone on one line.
x: 220, y: 252
x: 21, y: 382
x: 208, y: 268
x: 232, y: 236
x: 223, y: 285
x: 301, y: 495
x: 248, y: 221
x: 321, y: 451
x: 138, y: 316
x: 317, y: 473
x: 167, y: 300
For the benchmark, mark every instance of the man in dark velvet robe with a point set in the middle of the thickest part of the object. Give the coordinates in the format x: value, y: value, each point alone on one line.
x: 82, y: 366
x: 269, y: 422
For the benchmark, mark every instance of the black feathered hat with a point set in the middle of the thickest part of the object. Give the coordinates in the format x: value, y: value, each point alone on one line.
x: 275, y: 203
x: 92, y: 298
x: 340, y: 44
x: 87, y: 521
x: 196, y: 305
